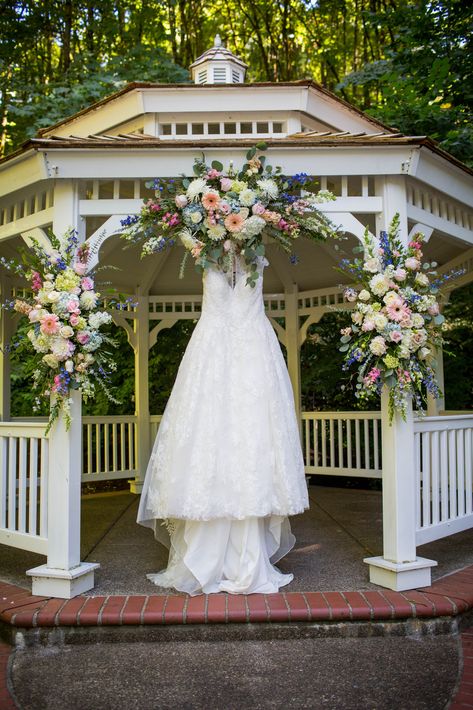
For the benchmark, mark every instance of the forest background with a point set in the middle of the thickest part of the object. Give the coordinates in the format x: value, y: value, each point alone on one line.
x: 409, y: 64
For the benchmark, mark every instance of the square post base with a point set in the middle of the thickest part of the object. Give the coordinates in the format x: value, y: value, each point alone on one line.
x: 136, y: 485
x: 61, y: 583
x: 400, y: 576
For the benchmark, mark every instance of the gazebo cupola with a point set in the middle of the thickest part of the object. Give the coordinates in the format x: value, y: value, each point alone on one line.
x: 218, y: 65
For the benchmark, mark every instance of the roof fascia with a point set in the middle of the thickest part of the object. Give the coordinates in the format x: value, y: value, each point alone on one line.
x: 23, y: 170
x: 163, y: 161
x: 440, y: 173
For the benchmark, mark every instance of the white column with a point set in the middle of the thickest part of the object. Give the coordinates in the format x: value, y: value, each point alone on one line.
x: 5, y: 335
x: 399, y: 568
x: 435, y: 406
x: 293, y: 345
x: 141, y: 326
x: 66, y: 209
x: 64, y: 575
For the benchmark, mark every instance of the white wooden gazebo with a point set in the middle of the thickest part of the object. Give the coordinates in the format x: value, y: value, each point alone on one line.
x: 89, y: 171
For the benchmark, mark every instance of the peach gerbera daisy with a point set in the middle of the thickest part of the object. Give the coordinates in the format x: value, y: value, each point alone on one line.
x: 234, y: 222
x: 50, y: 324
x: 210, y: 200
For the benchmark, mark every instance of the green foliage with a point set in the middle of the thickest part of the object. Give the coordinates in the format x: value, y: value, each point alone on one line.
x: 424, y: 83
x: 458, y: 349
x: 324, y: 385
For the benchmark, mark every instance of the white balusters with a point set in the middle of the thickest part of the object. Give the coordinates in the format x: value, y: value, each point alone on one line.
x: 443, y: 476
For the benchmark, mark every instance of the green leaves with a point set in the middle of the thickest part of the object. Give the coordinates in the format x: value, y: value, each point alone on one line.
x: 217, y: 165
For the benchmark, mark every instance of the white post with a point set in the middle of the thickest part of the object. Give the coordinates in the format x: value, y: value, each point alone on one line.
x: 5, y: 335
x: 399, y: 568
x: 293, y: 346
x: 435, y: 406
x: 141, y: 325
x: 64, y: 575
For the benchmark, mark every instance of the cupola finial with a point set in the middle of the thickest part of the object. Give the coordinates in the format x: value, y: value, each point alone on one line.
x: 217, y: 41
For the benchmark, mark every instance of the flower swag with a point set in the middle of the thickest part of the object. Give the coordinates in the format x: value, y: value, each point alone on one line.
x: 223, y: 213
x: 396, y: 320
x: 64, y: 323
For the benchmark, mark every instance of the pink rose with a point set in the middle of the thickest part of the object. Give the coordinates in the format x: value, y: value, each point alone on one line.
x: 76, y: 290
x: 396, y: 336
x: 226, y: 184
x: 258, y: 208
x: 33, y: 315
x: 80, y: 268
x: 72, y: 306
x: 434, y: 309
x: 224, y: 207
x: 412, y: 263
x: 212, y: 173
x: 87, y: 284
x: 368, y: 324
x: 83, y: 337
x: 74, y: 319
x: 400, y: 274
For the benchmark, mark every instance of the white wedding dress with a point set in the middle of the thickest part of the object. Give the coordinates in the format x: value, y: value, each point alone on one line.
x: 226, y: 467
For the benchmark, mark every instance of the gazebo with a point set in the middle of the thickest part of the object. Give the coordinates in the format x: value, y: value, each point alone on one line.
x: 90, y: 170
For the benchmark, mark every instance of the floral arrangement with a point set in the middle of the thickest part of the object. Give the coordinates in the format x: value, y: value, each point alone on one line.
x: 64, y: 323
x: 396, y: 321
x: 223, y: 213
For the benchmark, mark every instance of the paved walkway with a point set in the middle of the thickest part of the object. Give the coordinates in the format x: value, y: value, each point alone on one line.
x: 328, y: 652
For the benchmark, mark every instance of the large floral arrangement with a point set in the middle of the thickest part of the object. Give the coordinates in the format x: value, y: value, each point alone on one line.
x: 396, y: 321
x: 65, y: 322
x: 222, y: 213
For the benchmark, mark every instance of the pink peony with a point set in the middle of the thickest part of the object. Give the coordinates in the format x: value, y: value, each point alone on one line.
x: 83, y: 337
x: 87, y: 284
x: 212, y: 173
x: 80, y: 268
x: 412, y: 263
x: 368, y: 324
x: 258, y: 208
x: 400, y: 274
x: 395, y: 336
x: 50, y: 324
x: 180, y: 201
x: 226, y: 184
x: 234, y: 222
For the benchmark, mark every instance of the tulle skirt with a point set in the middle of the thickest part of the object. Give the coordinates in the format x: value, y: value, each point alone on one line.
x: 225, y: 555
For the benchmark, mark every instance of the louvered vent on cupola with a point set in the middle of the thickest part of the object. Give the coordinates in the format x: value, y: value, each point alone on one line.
x: 218, y: 66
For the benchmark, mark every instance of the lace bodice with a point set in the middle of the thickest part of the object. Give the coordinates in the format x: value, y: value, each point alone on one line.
x: 236, y: 302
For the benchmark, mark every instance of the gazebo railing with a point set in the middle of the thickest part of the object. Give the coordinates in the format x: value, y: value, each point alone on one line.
x: 24, y: 454
x: 342, y: 443
x: 444, y: 480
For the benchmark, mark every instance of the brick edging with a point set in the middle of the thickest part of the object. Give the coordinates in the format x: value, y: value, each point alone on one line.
x: 449, y: 596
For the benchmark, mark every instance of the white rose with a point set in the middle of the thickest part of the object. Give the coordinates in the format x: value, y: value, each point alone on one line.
x: 364, y: 295
x: 422, y: 280
x: 69, y: 365
x: 378, y: 345
x: 417, y: 320
x: 66, y: 331
x: 372, y: 265
x: 380, y: 321
x: 196, y: 217
x: 424, y: 353
x: 391, y: 297
x: 53, y: 296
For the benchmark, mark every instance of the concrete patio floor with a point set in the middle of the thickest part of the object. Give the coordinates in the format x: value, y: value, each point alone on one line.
x: 341, y: 528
